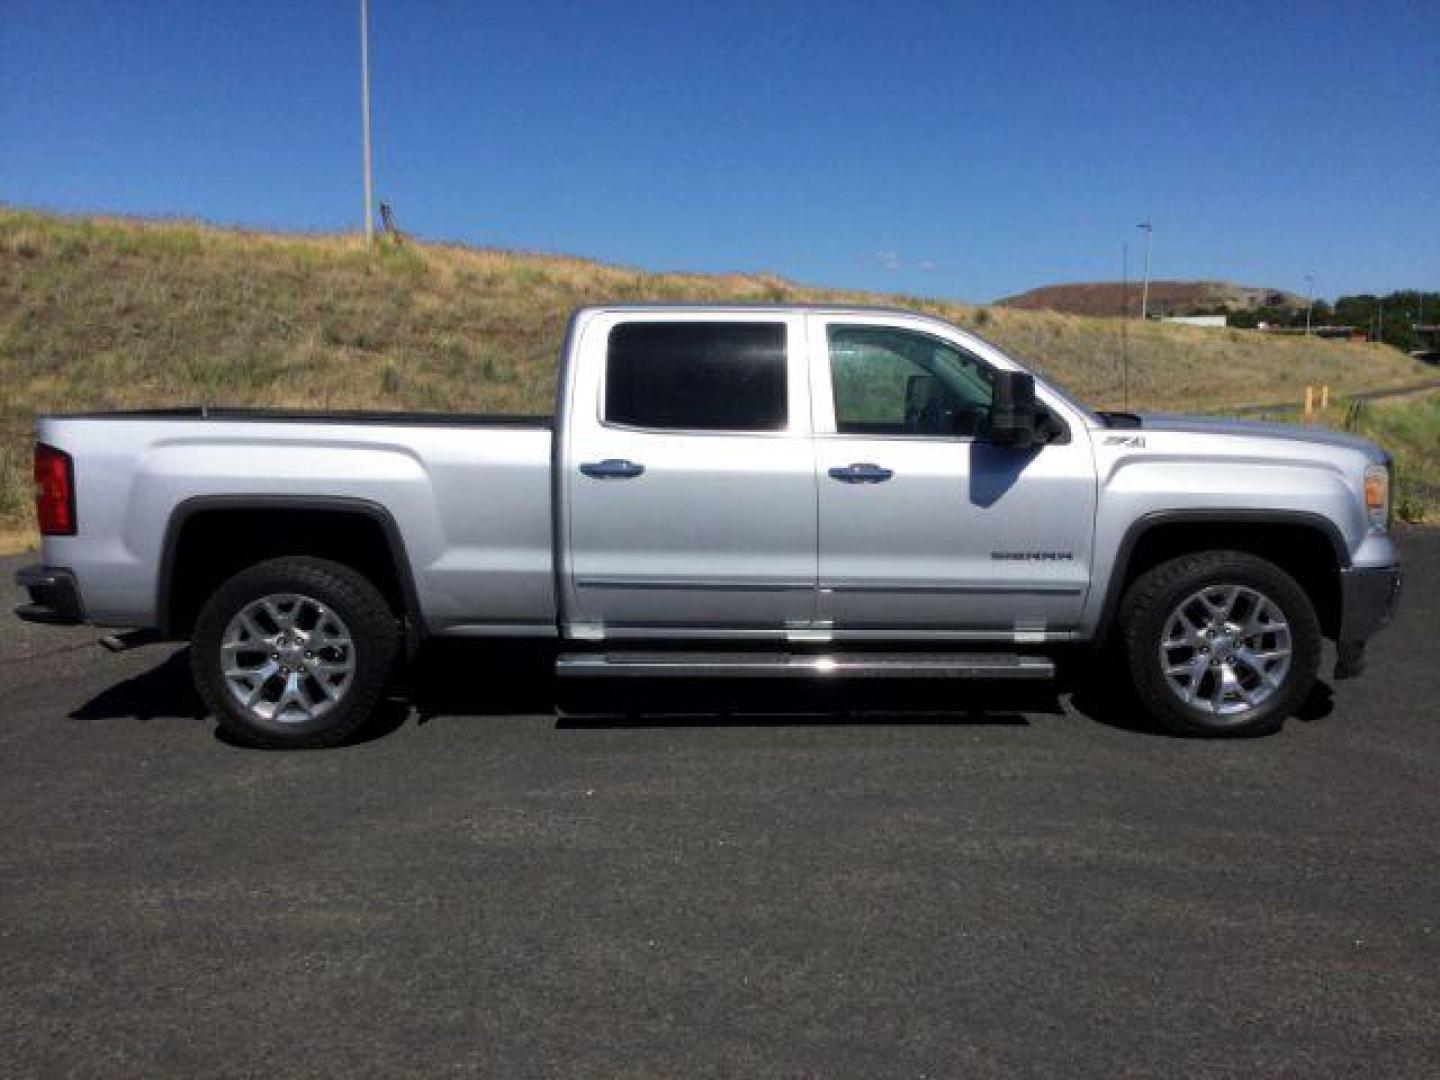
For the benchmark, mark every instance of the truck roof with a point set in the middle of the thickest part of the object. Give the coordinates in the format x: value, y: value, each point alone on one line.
x: 719, y: 308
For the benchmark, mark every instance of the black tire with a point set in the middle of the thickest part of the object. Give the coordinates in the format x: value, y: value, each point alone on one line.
x: 373, y: 630
x: 1149, y: 603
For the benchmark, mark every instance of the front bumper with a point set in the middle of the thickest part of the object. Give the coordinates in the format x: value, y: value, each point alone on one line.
x: 54, y: 596
x: 1368, y: 596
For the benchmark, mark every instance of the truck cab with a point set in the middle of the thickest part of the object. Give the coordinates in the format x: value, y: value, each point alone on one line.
x: 813, y: 475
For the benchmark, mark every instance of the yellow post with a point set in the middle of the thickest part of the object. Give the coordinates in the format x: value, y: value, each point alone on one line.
x: 1324, y: 398
x: 1309, y: 402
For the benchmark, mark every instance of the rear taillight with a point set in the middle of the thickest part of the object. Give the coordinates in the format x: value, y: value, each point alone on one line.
x: 54, y: 491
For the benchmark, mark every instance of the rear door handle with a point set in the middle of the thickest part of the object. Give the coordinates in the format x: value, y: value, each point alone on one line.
x: 862, y: 473
x: 612, y: 469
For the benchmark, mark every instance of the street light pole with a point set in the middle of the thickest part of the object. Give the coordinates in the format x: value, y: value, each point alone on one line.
x: 1145, y: 289
x: 365, y: 121
x: 1309, y: 300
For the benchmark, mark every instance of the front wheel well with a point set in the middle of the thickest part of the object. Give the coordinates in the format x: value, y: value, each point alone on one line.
x: 1304, y: 551
x: 209, y: 545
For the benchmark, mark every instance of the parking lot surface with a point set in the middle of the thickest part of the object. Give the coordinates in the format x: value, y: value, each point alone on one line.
x: 846, y: 881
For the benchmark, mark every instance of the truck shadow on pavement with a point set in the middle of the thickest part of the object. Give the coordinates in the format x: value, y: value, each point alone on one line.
x: 465, y: 680
x: 163, y: 692
x: 1115, y: 705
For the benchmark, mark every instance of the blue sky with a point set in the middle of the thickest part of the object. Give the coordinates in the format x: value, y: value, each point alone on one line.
x: 960, y: 150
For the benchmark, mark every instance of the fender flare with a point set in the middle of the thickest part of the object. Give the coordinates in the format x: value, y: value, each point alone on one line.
x: 1119, y: 576
x: 337, y: 504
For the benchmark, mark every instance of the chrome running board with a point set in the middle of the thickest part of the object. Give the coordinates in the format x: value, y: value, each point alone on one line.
x: 760, y: 665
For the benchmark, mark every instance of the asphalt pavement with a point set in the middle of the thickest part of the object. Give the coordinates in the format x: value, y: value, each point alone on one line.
x: 837, y: 881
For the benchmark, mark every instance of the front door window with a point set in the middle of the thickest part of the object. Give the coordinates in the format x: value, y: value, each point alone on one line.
x: 889, y: 381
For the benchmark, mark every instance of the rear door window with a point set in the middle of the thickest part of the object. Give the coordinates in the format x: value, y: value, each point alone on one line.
x: 697, y: 376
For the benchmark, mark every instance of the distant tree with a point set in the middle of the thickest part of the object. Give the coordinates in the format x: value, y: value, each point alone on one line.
x: 1357, y: 311
x: 1391, y: 317
x: 1277, y: 315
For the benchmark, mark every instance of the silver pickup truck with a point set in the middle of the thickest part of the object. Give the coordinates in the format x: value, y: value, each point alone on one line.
x: 726, y: 491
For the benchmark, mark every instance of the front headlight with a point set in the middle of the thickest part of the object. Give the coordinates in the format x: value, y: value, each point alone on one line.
x: 1377, y: 497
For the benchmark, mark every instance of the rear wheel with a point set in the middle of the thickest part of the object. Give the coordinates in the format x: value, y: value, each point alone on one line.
x: 294, y: 652
x: 1220, y: 643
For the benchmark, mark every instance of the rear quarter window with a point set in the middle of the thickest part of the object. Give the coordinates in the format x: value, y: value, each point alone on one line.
x: 697, y: 376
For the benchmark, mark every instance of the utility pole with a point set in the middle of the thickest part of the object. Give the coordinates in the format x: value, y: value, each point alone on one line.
x: 365, y: 121
x: 1309, y: 300
x: 1145, y: 290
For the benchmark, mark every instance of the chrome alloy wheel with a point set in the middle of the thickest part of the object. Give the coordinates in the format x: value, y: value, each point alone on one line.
x: 1225, y: 649
x: 287, y: 658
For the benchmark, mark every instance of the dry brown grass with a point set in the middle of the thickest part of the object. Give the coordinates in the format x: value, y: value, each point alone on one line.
x: 118, y: 313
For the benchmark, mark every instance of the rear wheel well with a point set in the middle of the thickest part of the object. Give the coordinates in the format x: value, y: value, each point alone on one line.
x: 211, y: 545
x: 1304, y: 552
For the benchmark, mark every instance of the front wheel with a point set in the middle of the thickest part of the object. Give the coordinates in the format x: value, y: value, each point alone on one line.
x: 1220, y: 643
x: 294, y: 652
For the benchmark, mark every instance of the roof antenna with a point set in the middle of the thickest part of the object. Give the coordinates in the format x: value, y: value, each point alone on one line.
x: 1125, y: 326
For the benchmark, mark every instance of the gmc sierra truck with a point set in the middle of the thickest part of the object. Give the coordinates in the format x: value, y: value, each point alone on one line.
x: 751, y: 492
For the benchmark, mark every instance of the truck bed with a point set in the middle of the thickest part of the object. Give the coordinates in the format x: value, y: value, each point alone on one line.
x: 320, y: 416
x: 468, y: 496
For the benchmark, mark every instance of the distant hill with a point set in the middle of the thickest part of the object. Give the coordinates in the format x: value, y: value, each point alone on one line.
x: 1104, y: 298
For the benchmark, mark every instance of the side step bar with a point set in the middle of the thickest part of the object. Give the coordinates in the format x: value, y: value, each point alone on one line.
x: 757, y: 665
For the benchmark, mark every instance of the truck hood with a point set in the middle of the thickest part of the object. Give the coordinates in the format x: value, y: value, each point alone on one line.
x: 1258, y: 429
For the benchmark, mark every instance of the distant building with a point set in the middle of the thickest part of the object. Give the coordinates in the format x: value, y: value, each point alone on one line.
x: 1196, y: 320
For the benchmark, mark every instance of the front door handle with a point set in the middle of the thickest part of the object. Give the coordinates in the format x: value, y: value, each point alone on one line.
x: 612, y: 469
x: 862, y: 473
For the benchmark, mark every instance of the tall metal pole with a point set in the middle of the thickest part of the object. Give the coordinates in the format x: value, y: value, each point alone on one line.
x: 1309, y: 300
x: 365, y: 120
x: 1145, y: 290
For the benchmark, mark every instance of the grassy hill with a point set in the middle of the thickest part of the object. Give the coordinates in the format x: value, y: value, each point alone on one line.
x: 111, y: 313
x: 1108, y: 298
